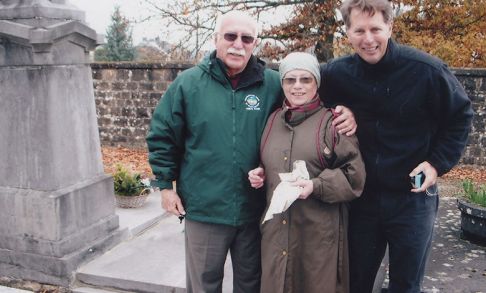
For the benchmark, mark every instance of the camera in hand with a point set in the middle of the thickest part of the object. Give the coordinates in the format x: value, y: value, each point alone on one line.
x: 417, y: 180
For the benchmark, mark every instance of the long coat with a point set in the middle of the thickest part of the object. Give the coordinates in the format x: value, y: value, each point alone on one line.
x: 304, y: 249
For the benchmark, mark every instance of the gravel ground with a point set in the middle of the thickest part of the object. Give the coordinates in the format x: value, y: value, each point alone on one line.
x: 455, y: 265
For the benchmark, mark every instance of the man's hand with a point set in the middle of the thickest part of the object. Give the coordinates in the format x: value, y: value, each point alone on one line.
x: 345, y: 122
x: 256, y: 177
x: 171, y: 202
x: 430, y: 175
x: 307, y: 187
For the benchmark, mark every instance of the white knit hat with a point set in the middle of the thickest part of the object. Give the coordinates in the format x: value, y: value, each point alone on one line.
x: 302, y: 61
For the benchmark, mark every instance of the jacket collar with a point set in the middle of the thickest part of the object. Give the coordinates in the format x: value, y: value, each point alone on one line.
x: 295, y: 115
x: 386, y: 63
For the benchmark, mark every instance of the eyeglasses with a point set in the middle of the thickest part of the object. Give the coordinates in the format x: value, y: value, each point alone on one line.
x: 293, y: 80
x: 231, y: 37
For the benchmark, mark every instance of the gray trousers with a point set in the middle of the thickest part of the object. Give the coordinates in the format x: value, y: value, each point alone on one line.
x: 207, y: 246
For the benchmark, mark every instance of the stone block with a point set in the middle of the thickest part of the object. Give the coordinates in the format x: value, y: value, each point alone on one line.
x: 42, y: 9
x: 132, y: 86
x: 157, y: 75
x: 65, y: 42
x: 48, y: 234
x: 118, y: 86
x: 146, y: 86
x: 161, y: 86
x: 108, y: 74
x: 138, y: 75
x: 101, y: 86
x: 54, y: 270
x: 35, y: 148
x: 123, y: 74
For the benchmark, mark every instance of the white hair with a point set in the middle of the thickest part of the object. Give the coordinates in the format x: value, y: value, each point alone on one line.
x: 237, y: 14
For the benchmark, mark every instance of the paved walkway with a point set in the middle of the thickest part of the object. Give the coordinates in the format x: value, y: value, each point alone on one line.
x: 153, y: 259
x: 455, y: 265
x: 11, y: 290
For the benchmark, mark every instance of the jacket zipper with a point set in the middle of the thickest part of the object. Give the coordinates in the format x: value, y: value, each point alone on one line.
x: 233, y: 110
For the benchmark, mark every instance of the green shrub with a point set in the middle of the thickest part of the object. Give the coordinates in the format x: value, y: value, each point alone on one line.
x: 475, y: 194
x: 126, y: 183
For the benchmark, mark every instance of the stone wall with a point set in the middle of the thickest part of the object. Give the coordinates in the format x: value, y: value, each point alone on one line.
x: 474, y: 81
x: 127, y: 93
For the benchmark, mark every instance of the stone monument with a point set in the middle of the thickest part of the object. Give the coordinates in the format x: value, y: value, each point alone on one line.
x: 56, y: 204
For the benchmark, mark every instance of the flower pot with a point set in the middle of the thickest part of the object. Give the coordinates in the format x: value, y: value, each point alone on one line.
x: 134, y: 201
x: 473, y: 220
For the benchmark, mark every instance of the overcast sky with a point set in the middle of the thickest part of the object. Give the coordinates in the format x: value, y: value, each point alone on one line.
x: 98, y: 13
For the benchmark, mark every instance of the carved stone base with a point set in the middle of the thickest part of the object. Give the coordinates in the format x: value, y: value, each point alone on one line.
x: 45, y: 236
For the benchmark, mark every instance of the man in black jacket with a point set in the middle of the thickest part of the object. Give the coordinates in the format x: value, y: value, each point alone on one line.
x: 413, y: 122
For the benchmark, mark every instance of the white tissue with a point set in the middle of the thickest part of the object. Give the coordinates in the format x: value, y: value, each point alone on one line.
x: 285, y: 194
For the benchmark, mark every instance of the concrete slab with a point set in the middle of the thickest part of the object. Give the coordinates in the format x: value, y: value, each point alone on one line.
x: 153, y: 261
x: 139, y: 219
x: 4, y: 289
x: 89, y: 290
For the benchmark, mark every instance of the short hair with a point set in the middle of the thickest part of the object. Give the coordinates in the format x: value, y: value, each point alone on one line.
x: 237, y: 14
x: 369, y: 6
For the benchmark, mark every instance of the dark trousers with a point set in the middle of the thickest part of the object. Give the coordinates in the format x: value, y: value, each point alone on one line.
x: 207, y: 246
x: 405, y: 222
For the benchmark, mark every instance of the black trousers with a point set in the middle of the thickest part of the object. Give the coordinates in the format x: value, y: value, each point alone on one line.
x: 404, y: 221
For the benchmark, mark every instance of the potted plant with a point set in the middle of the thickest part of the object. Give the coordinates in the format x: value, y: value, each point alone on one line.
x: 131, y: 191
x: 473, y: 211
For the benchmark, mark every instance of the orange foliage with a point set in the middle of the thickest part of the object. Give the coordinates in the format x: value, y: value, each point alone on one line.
x: 453, y: 30
x: 137, y: 160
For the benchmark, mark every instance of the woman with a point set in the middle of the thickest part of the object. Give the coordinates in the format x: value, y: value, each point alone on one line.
x: 304, y: 249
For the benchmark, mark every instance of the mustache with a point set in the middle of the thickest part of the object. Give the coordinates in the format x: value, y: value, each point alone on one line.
x: 240, y: 52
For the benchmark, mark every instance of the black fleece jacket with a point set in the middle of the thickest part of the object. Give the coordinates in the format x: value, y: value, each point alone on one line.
x: 409, y: 108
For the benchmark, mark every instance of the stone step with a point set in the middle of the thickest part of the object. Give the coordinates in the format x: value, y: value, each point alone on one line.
x: 4, y: 289
x: 94, y: 290
x: 151, y: 262
x: 139, y: 219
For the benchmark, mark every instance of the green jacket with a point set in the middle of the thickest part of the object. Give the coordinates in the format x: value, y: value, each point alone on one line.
x: 206, y: 136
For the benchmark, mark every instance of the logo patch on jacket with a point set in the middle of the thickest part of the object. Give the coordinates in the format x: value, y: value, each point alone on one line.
x: 252, y: 102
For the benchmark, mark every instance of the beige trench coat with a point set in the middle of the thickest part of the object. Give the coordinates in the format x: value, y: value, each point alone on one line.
x: 304, y: 250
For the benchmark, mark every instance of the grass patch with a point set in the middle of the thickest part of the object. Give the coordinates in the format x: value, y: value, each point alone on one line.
x: 474, y: 193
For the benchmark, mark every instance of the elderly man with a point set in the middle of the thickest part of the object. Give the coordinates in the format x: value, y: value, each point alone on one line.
x: 414, y: 118
x: 205, y: 134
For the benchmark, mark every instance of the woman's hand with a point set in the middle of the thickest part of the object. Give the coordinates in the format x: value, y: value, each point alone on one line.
x: 256, y: 177
x: 307, y: 187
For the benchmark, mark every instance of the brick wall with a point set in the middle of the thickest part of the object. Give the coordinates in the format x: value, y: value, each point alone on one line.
x: 127, y: 93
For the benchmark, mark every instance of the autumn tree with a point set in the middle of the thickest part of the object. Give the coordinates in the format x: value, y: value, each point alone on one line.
x: 119, y: 44
x: 453, y: 30
x: 312, y: 25
x: 195, y: 21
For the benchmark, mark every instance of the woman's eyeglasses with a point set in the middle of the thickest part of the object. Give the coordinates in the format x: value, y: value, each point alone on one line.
x: 231, y: 37
x: 293, y: 80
